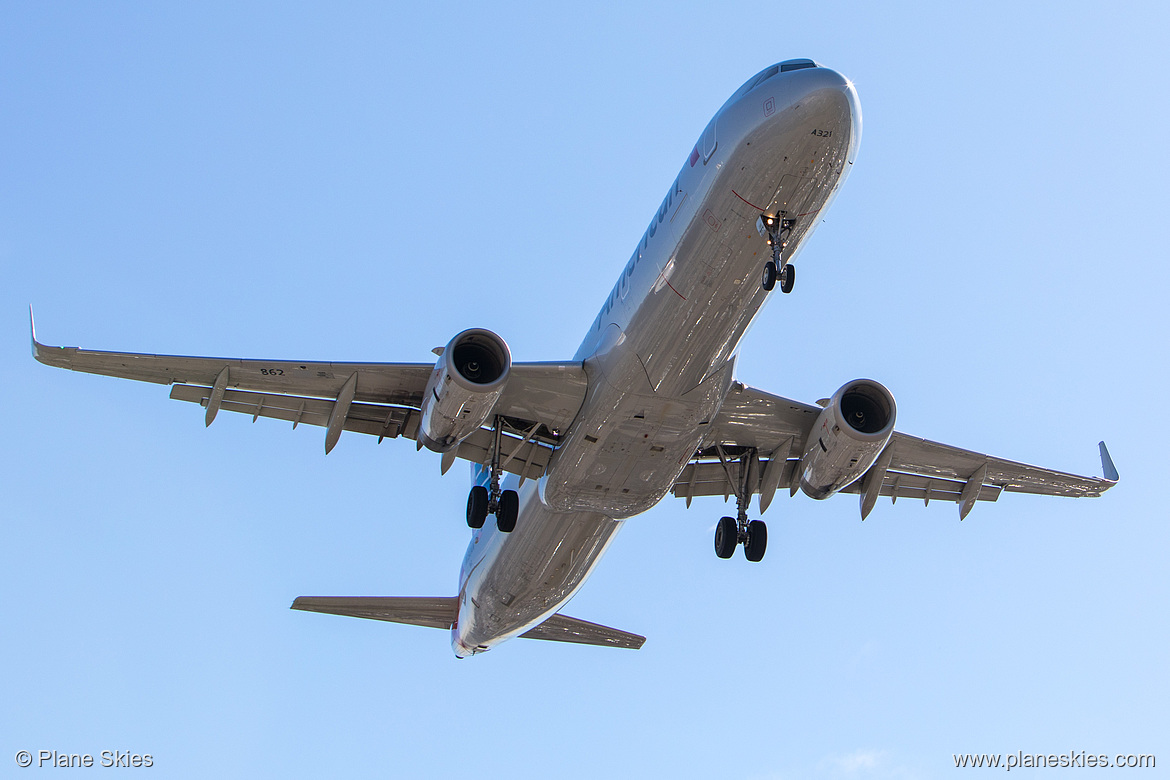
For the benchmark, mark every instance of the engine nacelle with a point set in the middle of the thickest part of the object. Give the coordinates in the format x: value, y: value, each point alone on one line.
x: 849, y: 434
x: 468, y: 379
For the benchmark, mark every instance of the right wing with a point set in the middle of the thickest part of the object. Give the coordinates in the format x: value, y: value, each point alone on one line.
x: 379, y: 399
x: 762, y: 438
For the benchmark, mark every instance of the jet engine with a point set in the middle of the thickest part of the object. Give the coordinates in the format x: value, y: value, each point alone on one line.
x: 849, y: 435
x: 468, y: 379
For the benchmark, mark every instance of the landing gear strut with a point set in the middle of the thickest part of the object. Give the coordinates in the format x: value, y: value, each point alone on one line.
x: 776, y: 231
x: 482, y: 501
x: 733, y: 531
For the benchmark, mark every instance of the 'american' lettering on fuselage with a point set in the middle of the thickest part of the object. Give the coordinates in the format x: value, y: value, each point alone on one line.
x: 623, y: 282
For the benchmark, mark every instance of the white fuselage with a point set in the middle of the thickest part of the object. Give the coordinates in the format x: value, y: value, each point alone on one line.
x: 659, y: 356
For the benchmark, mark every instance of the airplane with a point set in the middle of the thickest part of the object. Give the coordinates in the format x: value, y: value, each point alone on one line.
x: 562, y: 453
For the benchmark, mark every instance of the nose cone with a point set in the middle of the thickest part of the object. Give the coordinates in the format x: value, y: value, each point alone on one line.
x: 835, y: 82
x: 788, y: 141
x: 818, y: 99
x: 831, y: 98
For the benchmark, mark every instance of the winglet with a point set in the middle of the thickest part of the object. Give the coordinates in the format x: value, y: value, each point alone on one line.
x: 58, y: 357
x: 1107, y: 467
x: 32, y: 331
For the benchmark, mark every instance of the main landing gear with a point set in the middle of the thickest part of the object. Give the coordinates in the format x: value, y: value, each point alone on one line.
x: 753, y: 537
x: 776, y: 231
x: 734, y: 531
x: 504, y: 504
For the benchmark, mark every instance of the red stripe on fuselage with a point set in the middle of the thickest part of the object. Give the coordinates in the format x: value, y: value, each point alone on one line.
x: 745, y: 200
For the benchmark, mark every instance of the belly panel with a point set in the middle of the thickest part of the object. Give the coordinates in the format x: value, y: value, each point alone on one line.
x: 516, y: 580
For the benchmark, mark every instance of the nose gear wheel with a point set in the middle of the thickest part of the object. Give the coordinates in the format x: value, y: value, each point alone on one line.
x: 770, y: 274
x: 776, y: 230
x: 787, y: 278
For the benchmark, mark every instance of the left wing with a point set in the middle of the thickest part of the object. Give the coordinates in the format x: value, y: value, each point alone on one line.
x: 757, y: 439
x: 379, y: 399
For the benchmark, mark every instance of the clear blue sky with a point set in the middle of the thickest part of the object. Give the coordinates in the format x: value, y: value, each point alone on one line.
x: 361, y: 182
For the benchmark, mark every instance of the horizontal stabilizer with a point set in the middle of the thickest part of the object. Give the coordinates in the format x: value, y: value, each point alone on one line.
x: 429, y: 611
x: 562, y: 628
x: 441, y: 611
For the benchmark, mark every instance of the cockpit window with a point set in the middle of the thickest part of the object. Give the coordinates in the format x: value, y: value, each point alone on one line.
x: 754, y: 81
x: 763, y: 76
x: 788, y: 65
x: 768, y: 73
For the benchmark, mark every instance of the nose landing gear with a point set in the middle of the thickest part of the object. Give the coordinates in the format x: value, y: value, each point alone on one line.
x: 734, y: 531
x: 776, y: 231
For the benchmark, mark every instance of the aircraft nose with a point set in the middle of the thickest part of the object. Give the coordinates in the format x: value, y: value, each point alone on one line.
x: 850, y: 94
x: 832, y: 93
x: 828, y: 101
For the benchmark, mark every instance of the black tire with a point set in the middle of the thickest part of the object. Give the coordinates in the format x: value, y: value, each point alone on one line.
x: 757, y: 541
x: 508, y: 511
x: 726, y: 537
x: 787, y: 278
x: 769, y: 280
x: 477, y: 506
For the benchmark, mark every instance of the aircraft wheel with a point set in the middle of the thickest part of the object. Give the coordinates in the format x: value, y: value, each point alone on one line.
x: 508, y: 511
x: 477, y: 506
x: 769, y: 280
x: 757, y: 541
x: 726, y: 537
x: 787, y: 278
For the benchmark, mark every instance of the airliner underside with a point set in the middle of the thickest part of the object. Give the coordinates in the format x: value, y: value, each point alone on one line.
x: 563, y: 453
